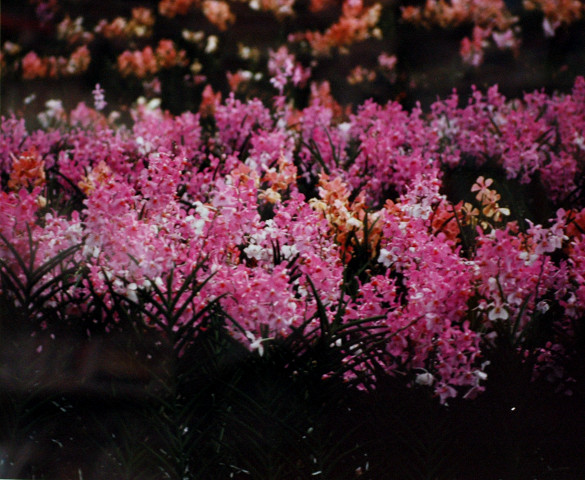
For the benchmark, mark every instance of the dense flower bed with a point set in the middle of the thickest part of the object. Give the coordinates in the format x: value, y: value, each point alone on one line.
x: 396, y: 238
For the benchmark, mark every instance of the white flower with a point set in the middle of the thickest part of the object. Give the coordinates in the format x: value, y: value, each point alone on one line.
x: 493, y: 283
x: 426, y: 379
x: 549, y: 27
x: 498, y: 312
x: 256, y: 252
x: 212, y: 42
x: 515, y: 299
x: 354, y: 222
x: 387, y: 257
x: 579, y: 141
x: 542, y: 306
x: 288, y: 251
x: 197, y: 224
x: 131, y: 292
x: 255, y: 343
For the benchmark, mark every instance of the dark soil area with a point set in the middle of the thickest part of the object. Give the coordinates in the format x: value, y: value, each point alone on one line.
x: 96, y: 410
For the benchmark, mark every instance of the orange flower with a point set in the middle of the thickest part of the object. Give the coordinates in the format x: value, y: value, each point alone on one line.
x: 575, y: 223
x: 218, y: 13
x: 347, y: 219
x: 79, y: 61
x: 209, y: 100
x: 360, y: 74
x: 171, y: 8
x: 33, y: 66
x: 557, y: 12
x: 481, y: 186
x: 167, y: 56
x: 444, y: 221
x: 319, y: 5
x: 356, y: 24
x: 98, y: 176
x: 28, y: 170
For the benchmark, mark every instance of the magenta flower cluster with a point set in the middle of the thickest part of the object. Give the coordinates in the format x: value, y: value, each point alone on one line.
x: 297, y: 221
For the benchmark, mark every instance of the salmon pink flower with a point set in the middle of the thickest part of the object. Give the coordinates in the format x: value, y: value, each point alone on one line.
x: 481, y: 186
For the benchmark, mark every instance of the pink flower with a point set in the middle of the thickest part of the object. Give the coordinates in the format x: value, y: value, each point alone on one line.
x: 283, y: 68
x: 99, y: 97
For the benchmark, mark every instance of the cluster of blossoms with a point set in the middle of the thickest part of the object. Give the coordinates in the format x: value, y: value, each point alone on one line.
x: 72, y: 31
x: 283, y: 68
x: 493, y: 24
x: 45, y: 10
x: 148, y: 62
x: 218, y: 12
x: 314, y: 221
x: 556, y: 13
x: 34, y: 66
x: 172, y: 8
x: 138, y: 26
x: 356, y: 24
x: 455, y: 13
x: 540, y: 136
x: 491, y: 21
